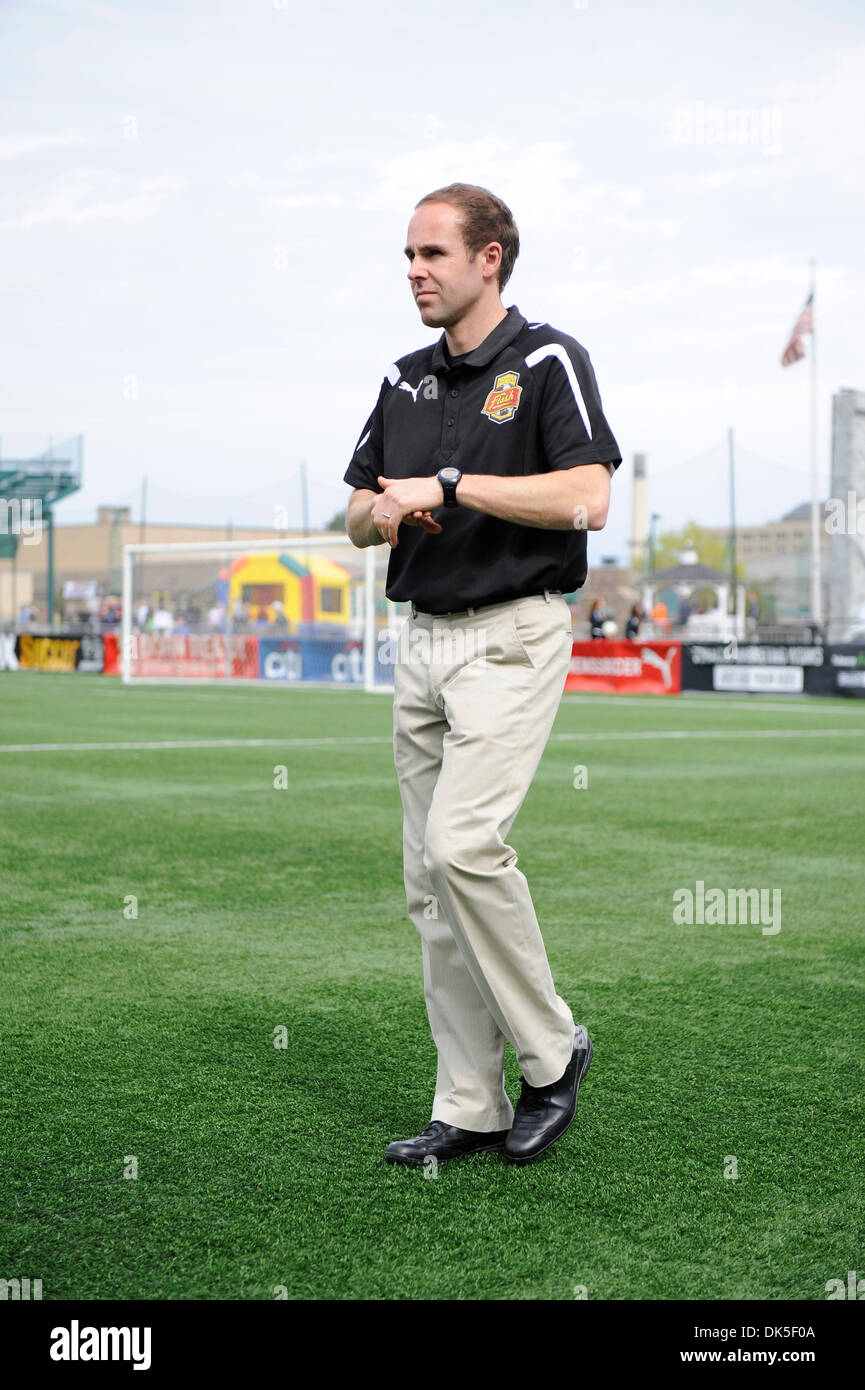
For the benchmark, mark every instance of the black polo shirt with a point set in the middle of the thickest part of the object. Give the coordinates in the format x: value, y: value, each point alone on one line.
x: 524, y: 401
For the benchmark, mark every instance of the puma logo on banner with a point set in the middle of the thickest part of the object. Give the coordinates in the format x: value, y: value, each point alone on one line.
x: 664, y: 666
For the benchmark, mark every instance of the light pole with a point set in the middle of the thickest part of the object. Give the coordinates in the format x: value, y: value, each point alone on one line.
x: 656, y: 516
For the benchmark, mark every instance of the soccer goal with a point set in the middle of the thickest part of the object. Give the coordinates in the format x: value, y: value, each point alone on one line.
x: 299, y: 610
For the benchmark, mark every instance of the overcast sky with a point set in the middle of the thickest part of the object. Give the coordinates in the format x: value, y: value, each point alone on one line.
x: 203, y: 209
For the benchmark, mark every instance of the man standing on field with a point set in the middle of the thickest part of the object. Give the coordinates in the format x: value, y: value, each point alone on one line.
x: 486, y: 459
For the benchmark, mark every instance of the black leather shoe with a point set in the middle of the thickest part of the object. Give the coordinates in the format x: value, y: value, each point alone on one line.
x: 543, y: 1113
x: 443, y: 1141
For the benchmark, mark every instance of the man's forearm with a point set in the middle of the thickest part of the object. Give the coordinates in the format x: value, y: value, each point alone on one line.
x: 359, y: 525
x: 559, y: 500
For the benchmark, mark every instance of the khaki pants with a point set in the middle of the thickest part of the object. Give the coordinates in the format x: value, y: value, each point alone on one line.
x: 475, y: 697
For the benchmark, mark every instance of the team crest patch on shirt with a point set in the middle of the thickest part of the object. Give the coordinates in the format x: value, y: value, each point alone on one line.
x: 502, y: 402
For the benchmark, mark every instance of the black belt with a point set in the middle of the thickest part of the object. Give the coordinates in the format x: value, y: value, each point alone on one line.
x: 466, y: 612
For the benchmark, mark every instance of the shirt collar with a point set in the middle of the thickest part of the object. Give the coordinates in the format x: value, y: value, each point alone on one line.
x: 502, y: 334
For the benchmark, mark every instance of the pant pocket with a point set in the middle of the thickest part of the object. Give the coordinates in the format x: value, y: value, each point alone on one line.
x: 520, y: 643
x: 535, y: 626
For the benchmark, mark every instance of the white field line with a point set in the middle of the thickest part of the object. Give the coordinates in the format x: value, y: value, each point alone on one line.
x: 202, y: 688
x: 706, y: 701
x: 642, y: 735
x: 185, y: 743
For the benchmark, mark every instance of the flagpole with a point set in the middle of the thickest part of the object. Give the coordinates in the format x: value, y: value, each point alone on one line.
x: 816, y: 549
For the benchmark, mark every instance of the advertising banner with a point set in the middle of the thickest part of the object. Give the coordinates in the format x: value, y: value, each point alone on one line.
x: 642, y: 668
x: 846, y: 662
x: 755, y: 668
x: 208, y: 655
x: 291, y: 659
x: 110, y: 654
x: 8, y: 651
x: 67, y: 652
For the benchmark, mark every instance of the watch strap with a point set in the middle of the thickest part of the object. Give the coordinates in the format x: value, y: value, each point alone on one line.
x: 449, y: 488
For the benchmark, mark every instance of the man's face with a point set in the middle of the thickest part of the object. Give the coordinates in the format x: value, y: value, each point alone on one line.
x: 444, y: 282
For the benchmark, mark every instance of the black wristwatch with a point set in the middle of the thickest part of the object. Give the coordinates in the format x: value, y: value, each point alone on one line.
x: 449, y: 477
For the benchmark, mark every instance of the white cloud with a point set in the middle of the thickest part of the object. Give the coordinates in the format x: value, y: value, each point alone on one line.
x: 293, y: 202
x: 14, y: 146
x: 81, y: 199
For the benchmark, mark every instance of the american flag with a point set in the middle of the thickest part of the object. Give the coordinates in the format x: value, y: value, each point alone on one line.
x: 804, y: 324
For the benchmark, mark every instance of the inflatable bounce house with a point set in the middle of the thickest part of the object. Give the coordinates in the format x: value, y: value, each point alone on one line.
x: 311, y: 594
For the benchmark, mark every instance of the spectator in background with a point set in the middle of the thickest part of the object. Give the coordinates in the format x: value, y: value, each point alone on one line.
x: 632, y: 627
x: 163, y: 620
x: 216, y: 618
x: 597, y: 618
x: 660, y: 617
x: 685, y: 611
x: 142, y: 613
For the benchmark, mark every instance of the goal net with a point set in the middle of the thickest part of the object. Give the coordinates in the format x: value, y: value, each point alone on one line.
x: 299, y: 610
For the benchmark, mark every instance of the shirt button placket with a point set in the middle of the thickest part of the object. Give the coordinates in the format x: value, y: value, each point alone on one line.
x: 450, y: 424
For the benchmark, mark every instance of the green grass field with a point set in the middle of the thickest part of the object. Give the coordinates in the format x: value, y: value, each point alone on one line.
x: 260, y: 909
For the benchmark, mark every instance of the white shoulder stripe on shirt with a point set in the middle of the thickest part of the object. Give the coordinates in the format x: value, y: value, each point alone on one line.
x: 556, y: 350
x: 363, y: 441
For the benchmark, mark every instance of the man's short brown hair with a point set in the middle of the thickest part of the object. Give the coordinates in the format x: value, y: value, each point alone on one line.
x: 485, y: 218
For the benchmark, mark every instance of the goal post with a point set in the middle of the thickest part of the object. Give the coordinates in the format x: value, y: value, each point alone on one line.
x: 297, y: 610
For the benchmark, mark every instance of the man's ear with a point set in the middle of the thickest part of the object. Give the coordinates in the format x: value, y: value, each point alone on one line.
x: 493, y: 265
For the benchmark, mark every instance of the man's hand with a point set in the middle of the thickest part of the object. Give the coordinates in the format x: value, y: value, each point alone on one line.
x: 406, y: 500
x: 366, y: 525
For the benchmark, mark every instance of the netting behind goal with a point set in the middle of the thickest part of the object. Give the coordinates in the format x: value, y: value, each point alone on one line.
x: 295, y: 610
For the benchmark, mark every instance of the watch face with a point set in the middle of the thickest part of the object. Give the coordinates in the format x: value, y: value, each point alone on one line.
x: 451, y: 474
